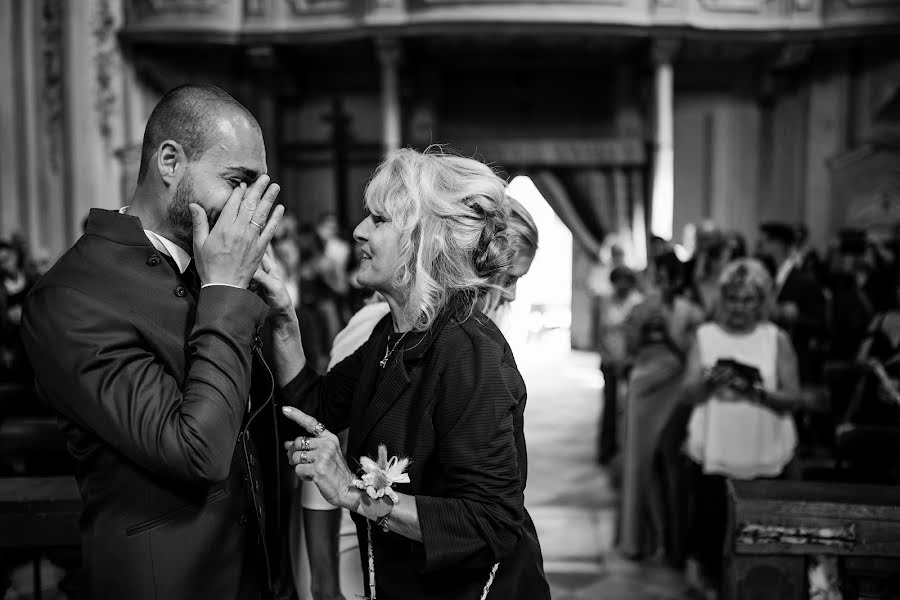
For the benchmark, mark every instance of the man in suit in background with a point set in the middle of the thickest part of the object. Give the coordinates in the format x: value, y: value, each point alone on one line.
x: 145, y: 339
x: 800, y: 304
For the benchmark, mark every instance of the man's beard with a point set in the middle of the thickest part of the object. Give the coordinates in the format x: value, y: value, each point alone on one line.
x: 178, y: 213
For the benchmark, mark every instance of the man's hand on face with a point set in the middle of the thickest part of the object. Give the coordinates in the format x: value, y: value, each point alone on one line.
x: 231, y: 252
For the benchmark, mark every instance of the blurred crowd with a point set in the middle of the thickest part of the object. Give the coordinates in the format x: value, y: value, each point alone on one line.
x: 318, y: 262
x: 734, y: 361
x: 20, y: 267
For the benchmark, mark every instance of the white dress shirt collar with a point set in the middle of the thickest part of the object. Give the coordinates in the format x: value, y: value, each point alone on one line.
x: 166, y: 246
x: 783, y: 272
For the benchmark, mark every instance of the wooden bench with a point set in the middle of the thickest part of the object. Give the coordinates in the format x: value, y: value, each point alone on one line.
x: 38, y: 514
x: 777, y: 528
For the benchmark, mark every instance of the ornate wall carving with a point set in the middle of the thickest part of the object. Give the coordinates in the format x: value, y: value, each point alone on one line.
x: 106, y: 65
x: 318, y: 6
x: 753, y: 6
x: 784, y: 17
x: 161, y: 6
x: 52, y: 88
x: 154, y: 16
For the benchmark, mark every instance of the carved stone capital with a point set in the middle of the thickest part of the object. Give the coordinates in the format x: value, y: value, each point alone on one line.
x: 389, y: 51
x: 664, y: 50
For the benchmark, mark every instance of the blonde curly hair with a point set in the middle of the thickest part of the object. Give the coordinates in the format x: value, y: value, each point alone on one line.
x: 523, y: 234
x: 451, y: 212
x: 743, y: 274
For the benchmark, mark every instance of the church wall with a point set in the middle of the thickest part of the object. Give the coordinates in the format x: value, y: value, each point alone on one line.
x: 717, y: 140
x: 11, y: 154
x: 64, y: 116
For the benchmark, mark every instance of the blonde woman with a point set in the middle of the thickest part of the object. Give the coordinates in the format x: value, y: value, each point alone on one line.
x: 435, y: 382
x: 742, y: 376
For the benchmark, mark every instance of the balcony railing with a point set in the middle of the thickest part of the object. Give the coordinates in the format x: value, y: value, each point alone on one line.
x: 237, y: 19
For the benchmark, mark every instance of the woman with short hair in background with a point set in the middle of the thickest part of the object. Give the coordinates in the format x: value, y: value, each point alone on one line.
x: 742, y: 380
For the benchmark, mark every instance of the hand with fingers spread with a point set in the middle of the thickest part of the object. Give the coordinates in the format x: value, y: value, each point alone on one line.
x: 231, y: 251
x: 318, y: 458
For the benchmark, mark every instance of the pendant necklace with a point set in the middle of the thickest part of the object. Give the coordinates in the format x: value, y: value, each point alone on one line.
x: 388, y: 350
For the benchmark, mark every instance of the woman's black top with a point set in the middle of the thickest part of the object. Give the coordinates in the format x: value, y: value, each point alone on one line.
x: 452, y: 400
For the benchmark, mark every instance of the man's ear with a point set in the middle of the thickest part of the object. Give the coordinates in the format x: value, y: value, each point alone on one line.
x: 170, y: 162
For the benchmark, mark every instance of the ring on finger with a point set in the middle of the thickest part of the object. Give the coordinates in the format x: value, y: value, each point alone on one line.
x: 303, y: 460
x: 257, y: 225
x: 318, y: 429
x: 304, y: 443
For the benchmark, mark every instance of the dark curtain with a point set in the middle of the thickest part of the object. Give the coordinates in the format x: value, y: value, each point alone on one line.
x: 592, y: 202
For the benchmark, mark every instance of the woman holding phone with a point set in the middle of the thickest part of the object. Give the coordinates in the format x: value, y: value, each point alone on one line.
x: 742, y: 378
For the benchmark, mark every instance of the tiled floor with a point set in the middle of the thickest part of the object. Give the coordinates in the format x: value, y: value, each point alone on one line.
x: 569, y: 497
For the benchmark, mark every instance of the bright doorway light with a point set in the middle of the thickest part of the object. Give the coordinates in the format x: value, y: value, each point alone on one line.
x: 543, y: 304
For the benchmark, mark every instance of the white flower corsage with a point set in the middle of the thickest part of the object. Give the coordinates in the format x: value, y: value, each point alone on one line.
x: 381, y: 475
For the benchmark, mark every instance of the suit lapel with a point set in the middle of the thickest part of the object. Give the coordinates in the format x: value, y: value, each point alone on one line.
x: 786, y: 289
x: 373, y: 400
x: 393, y: 384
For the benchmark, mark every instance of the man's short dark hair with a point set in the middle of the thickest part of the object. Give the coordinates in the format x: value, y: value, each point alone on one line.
x: 623, y: 274
x: 187, y: 114
x: 780, y: 232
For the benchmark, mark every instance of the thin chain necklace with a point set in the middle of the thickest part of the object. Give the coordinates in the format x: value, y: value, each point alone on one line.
x: 388, y: 350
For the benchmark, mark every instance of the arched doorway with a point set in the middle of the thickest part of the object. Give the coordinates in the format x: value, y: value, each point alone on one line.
x: 543, y: 303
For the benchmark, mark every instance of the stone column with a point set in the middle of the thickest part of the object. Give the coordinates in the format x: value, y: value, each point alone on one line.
x: 388, y: 57
x: 12, y: 154
x: 663, y: 194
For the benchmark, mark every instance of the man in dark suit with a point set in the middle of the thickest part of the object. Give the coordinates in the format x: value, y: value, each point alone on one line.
x: 145, y: 339
x: 800, y: 304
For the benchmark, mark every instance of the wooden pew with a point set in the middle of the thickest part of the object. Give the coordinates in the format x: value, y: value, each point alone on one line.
x: 778, y: 528
x: 38, y: 514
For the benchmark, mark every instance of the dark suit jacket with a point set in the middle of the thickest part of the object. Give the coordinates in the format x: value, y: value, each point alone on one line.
x: 452, y: 400
x: 151, y: 386
x: 810, y: 331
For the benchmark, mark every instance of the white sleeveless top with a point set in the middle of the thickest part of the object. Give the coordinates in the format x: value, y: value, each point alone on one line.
x: 738, y: 438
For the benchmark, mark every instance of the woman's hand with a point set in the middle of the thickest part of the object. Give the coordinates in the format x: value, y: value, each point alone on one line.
x: 719, y: 376
x: 323, y: 462
x: 269, y: 280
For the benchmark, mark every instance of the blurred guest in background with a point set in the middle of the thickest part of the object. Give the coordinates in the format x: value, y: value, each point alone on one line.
x: 800, y: 304
x: 614, y: 310
x: 523, y: 235
x: 333, y: 264
x: 612, y: 255
x: 659, y: 332
x: 851, y: 309
x: 742, y: 378
x: 289, y: 225
x: 287, y: 252
x: 17, y: 279
x: 868, y: 435
x: 712, y: 253
x: 805, y: 256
